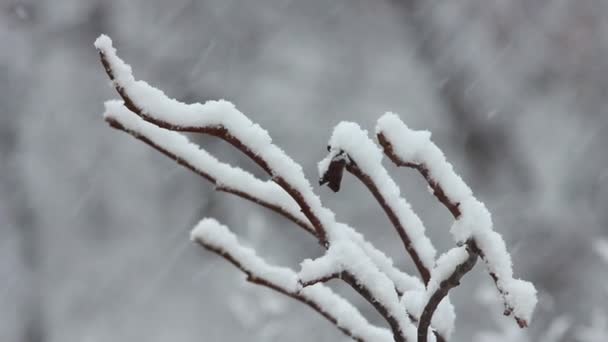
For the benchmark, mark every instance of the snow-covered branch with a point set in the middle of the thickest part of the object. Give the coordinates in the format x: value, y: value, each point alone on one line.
x: 351, y: 148
x: 409, y: 148
x: 450, y: 268
x: 226, y: 178
x: 220, y: 240
x: 402, y: 300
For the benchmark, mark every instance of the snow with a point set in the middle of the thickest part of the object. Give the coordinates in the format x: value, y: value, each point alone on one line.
x: 350, y: 138
x: 315, y: 270
x: 211, y: 233
x: 475, y: 220
x: 403, y: 281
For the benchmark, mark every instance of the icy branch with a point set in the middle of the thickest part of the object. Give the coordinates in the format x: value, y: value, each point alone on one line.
x: 406, y: 147
x: 351, y: 148
x: 220, y: 240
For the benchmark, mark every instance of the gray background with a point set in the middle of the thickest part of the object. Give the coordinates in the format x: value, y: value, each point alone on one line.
x: 94, y: 225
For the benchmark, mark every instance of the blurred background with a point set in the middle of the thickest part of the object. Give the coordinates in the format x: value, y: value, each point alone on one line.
x: 94, y: 224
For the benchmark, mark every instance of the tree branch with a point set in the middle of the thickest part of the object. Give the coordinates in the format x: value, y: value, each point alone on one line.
x: 350, y: 147
x: 247, y: 137
x: 519, y: 296
x: 333, y: 178
x: 258, y: 197
x: 219, y: 240
x: 441, y: 291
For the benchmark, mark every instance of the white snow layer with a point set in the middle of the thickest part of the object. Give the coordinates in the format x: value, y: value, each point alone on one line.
x: 211, y: 233
x: 475, y: 220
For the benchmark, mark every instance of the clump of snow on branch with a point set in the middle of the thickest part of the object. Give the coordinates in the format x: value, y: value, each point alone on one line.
x: 601, y: 248
x: 474, y: 222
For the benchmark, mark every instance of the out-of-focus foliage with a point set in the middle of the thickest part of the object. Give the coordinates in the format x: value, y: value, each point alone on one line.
x: 93, y: 226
